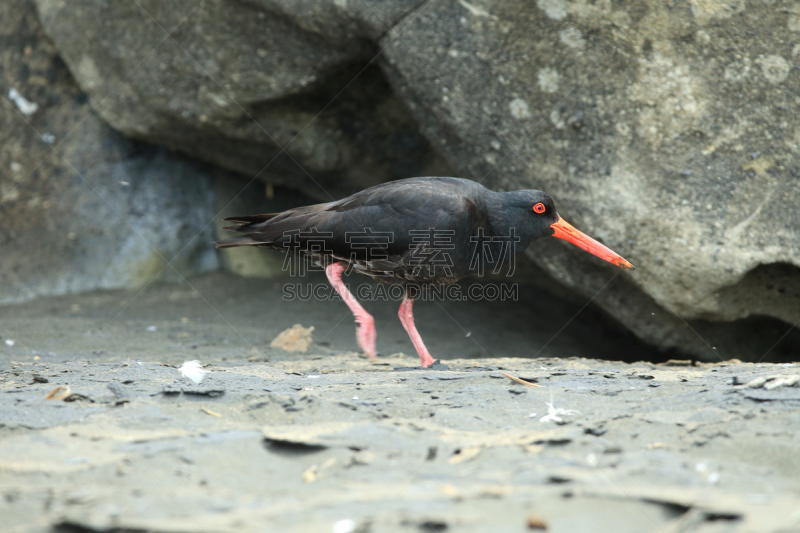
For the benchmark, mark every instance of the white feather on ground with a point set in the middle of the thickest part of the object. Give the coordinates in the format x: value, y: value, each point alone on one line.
x: 193, y: 370
x: 27, y: 107
x: 554, y: 413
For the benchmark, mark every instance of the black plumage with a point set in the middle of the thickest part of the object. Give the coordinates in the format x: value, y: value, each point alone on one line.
x: 437, y: 226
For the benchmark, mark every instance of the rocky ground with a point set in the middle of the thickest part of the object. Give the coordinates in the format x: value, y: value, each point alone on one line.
x: 327, y: 441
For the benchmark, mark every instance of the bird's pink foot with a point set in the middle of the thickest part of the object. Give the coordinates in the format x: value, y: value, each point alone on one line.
x: 425, y: 362
x: 366, y: 334
x: 407, y: 319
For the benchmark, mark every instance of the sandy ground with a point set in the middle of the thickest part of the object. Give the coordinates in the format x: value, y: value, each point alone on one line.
x: 327, y: 441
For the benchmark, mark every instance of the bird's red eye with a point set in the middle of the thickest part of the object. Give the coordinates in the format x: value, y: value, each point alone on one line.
x: 539, y: 208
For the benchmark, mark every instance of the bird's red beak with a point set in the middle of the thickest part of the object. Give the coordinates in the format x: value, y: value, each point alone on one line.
x: 563, y: 230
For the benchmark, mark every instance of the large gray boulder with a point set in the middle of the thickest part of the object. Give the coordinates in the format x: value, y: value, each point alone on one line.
x: 81, y: 206
x: 670, y: 131
x: 233, y: 82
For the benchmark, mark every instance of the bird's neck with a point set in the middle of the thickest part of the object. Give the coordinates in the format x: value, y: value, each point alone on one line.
x: 506, y: 210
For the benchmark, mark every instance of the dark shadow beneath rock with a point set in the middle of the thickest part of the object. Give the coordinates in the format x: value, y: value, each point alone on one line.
x: 291, y: 448
x: 193, y: 394
x: 75, y: 397
x: 435, y: 366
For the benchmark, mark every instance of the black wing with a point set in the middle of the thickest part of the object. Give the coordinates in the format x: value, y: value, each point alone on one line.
x: 388, y: 222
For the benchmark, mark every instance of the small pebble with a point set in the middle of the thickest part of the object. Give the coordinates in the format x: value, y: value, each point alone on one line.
x: 537, y: 522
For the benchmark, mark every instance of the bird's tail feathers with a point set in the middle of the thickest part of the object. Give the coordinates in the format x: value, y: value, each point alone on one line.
x: 245, y: 240
x: 251, y: 219
x: 270, y: 228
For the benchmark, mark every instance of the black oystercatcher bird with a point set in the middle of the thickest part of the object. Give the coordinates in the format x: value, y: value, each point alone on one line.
x: 416, y: 233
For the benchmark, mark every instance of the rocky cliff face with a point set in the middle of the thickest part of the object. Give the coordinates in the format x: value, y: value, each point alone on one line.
x: 668, y: 130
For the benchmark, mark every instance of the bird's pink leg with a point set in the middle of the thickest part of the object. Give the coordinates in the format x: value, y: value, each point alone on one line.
x: 407, y: 319
x: 365, y: 324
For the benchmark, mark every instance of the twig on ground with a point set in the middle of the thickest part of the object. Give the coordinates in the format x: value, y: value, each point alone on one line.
x: 521, y: 381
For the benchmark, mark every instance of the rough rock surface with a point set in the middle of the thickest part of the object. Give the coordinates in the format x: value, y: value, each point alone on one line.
x: 668, y: 130
x: 327, y: 441
x: 233, y: 82
x: 81, y: 206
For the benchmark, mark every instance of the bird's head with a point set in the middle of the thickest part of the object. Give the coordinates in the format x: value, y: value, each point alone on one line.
x: 536, y: 214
